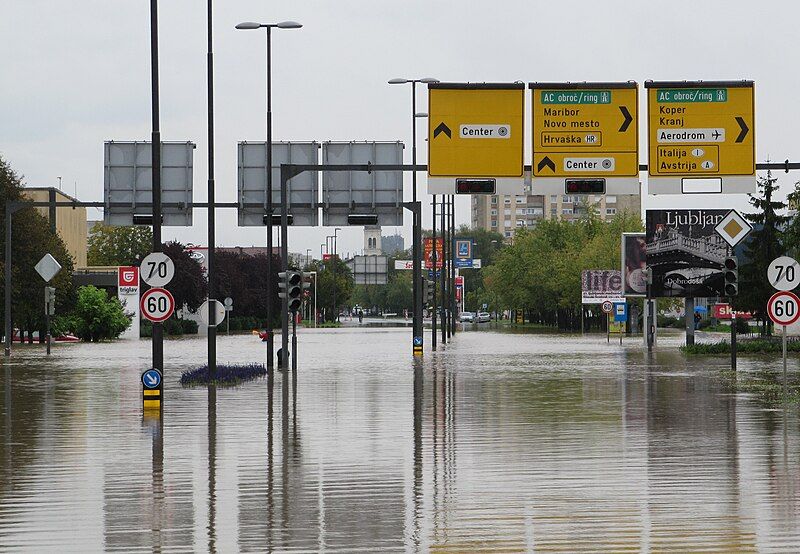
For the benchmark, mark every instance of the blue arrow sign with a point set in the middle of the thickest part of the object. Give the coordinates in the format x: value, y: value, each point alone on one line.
x: 151, y: 379
x: 417, y: 341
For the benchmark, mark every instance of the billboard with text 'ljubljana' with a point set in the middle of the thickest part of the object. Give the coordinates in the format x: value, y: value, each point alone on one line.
x: 685, y: 253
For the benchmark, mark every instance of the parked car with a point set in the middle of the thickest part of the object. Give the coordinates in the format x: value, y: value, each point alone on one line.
x: 484, y: 317
x: 467, y: 317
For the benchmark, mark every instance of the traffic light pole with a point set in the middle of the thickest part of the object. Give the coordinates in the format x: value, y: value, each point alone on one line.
x: 284, y: 268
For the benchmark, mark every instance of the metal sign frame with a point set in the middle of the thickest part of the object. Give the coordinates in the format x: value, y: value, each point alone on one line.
x: 376, y: 192
x: 251, y: 182
x: 128, y: 182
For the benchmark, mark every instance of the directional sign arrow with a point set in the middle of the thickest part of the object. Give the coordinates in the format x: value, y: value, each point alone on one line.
x: 442, y: 128
x: 546, y: 162
x: 628, y: 118
x: 744, y: 128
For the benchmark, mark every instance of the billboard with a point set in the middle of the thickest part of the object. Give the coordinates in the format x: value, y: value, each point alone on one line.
x: 634, y: 263
x: 685, y: 253
x: 599, y: 285
x: 428, y: 255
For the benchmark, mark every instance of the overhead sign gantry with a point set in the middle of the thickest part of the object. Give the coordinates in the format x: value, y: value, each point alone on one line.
x: 475, y: 138
x: 701, y: 137
x: 585, y: 138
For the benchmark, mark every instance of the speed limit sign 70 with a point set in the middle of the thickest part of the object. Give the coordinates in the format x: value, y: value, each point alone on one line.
x: 157, y: 305
x: 783, y: 273
x: 157, y: 269
x: 784, y: 308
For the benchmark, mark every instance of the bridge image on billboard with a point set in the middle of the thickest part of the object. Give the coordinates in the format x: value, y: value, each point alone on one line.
x: 686, y: 254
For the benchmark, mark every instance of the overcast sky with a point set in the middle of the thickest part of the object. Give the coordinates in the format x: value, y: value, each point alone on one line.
x: 77, y: 73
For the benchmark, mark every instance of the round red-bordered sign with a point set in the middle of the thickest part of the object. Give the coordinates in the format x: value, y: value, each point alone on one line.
x: 783, y: 308
x: 607, y: 306
x: 157, y: 304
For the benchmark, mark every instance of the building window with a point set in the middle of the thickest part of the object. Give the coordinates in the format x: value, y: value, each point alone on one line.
x: 520, y: 223
x: 566, y: 211
x: 611, y: 211
x: 507, y: 223
x: 507, y: 211
x: 494, y: 200
x: 494, y: 212
x: 553, y: 211
x: 611, y: 199
x: 520, y: 200
x: 494, y: 223
x: 521, y: 211
x: 508, y: 234
x: 506, y: 200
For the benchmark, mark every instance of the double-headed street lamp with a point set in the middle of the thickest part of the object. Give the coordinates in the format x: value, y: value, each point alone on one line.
x: 249, y: 25
x: 417, y: 225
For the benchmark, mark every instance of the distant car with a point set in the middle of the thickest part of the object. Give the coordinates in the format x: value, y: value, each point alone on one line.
x: 466, y: 317
x: 484, y: 317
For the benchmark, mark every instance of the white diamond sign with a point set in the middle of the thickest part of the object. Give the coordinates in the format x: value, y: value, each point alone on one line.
x: 47, y: 267
x: 733, y: 228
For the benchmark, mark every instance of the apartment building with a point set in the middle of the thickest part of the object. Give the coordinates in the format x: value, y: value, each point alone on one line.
x: 506, y: 213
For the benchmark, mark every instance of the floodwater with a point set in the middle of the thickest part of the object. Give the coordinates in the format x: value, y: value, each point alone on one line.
x: 500, y: 442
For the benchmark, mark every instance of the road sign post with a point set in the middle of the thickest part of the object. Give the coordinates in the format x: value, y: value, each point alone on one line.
x: 783, y: 309
x: 701, y: 137
x: 585, y: 138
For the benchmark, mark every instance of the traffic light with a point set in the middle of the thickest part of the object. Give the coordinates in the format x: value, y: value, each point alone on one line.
x: 731, y: 274
x: 428, y: 291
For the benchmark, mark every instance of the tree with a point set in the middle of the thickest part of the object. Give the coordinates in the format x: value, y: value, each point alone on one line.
x: 333, y: 274
x: 32, y: 237
x: 111, y: 245
x: 541, y: 270
x: 189, y: 287
x: 244, y: 278
x: 96, y: 316
x: 763, y: 245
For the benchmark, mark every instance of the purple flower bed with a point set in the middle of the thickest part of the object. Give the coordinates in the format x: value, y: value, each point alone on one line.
x: 226, y: 374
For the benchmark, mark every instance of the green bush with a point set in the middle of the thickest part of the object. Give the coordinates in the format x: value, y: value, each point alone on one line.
x: 96, y: 316
x: 754, y: 346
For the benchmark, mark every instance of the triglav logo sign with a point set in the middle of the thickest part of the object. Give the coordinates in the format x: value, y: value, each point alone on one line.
x: 128, y: 280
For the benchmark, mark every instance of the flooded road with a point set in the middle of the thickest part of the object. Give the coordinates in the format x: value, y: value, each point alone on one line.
x: 500, y: 442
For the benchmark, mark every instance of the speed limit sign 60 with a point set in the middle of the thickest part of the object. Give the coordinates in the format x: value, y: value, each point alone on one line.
x: 784, y: 308
x: 157, y: 305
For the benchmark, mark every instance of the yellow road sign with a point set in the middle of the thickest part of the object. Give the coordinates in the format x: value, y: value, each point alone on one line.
x: 475, y: 130
x: 585, y: 129
x: 701, y: 129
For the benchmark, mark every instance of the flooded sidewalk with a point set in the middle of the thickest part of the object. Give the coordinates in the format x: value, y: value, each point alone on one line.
x: 499, y: 442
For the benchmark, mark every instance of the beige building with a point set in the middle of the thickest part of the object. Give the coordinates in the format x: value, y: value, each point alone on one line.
x: 506, y: 213
x: 68, y: 222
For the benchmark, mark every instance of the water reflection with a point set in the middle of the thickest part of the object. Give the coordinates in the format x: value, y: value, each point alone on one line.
x: 498, y: 442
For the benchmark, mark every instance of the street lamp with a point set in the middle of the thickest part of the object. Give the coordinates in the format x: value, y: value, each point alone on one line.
x: 249, y: 25
x: 417, y: 233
